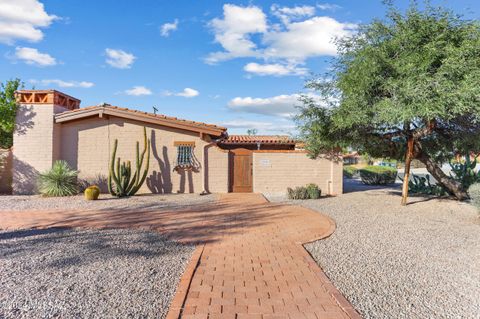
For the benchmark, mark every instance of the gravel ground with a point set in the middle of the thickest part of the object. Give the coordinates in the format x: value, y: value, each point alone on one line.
x: 418, y: 261
x: 57, y: 273
x: 106, y: 201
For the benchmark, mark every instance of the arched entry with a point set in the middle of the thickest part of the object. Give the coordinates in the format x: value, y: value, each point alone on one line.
x: 241, y: 171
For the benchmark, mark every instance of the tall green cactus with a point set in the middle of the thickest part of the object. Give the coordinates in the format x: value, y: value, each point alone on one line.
x: 121, y: 173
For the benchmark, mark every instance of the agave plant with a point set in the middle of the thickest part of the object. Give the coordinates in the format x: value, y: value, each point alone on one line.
x: 60, y: 180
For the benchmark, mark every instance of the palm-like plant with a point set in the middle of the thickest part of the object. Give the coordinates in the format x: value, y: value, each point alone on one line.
x: 60, y: 180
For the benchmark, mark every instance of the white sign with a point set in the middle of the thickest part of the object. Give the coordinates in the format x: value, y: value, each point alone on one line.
x: 265, y: 162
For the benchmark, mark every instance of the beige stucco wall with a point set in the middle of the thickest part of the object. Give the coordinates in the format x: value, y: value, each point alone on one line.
x: 36, y: 143
x: 86, y: 145
x: 218, y: 178
x: 274, y: 171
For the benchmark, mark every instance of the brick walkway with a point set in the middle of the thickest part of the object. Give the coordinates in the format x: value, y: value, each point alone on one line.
x: 249, y: 263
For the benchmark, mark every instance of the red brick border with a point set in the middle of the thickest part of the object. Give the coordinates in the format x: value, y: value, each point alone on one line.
x: 178, y: 301
x: 332, y: 290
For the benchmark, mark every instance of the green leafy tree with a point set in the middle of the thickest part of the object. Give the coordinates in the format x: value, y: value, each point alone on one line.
x: 8, y: 109
x: 404, y: 87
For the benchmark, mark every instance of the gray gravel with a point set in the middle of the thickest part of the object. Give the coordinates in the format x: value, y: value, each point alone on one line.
x: 106, y: 201
x: 418, y: 261
x: 57, y: 273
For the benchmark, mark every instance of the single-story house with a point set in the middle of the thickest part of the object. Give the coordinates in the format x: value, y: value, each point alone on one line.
x: 186, y: 156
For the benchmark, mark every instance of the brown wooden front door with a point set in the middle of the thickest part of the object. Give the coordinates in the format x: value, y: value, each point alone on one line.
x: 241, y: 174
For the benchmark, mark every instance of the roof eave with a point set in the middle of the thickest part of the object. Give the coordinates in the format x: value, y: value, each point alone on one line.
x: 100, y: 111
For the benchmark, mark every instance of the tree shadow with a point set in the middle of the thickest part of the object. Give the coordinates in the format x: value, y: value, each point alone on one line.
x: 26, y: 121
x: 88, y: 246
x: 192, y: 224
x: 23, y: 177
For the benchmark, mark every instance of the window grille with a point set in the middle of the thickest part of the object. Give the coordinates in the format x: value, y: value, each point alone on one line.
x: 185, y: 156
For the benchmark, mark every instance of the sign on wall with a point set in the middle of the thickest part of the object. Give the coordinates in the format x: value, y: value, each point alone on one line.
x: 265, y: 162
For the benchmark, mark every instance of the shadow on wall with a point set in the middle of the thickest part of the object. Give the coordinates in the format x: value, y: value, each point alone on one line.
x: 6, y: 162
x: 160, y: 182
x: 24, y: 178
x: 184, y: 175
x: 26, y: 123
x: 99, y: 180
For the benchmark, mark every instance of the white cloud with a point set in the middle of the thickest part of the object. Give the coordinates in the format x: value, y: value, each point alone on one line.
x: 280, y: 105
x: 301, y: 35
x: 34, y: 57
x: 63, y: 84
x: 167, y: 28
x: 234, y: 30
x: 328, y: 6
x: 286, y: 14
x: 22, y: 20
x: 309, y: 38
x: 187, y: 92
x: 138, y: 91
x: 275, y: 69
x: 119, y: 58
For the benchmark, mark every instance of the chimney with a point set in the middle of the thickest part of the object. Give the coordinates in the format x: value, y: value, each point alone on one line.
x: 36, y: 139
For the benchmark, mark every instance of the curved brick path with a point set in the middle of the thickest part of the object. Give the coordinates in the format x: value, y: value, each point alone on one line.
x: 249, y: 262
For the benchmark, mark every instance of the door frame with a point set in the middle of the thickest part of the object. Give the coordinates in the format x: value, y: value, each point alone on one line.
x: 231, y: 159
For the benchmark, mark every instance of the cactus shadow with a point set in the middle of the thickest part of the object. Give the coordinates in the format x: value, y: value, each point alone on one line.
x: 160, y: 182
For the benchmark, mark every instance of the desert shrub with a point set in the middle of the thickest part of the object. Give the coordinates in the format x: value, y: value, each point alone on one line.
x: 474, y: 193
x: 378, y: 175
x: 297, y: 193
x: 60, y: 180
x: 313, y: 191
x: 350, y: 171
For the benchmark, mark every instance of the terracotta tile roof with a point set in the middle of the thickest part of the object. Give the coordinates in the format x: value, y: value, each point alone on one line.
x: 254, y: 139
x: 138, y: 115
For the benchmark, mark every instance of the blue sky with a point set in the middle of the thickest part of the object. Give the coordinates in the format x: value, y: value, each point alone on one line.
x: 239, y: 64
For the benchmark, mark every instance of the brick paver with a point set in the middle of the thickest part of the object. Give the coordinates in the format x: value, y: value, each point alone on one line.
x: 251, y: 263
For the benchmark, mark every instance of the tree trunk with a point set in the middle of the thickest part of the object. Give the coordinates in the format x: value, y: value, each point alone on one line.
x: 406, y: 177
x: 452, y: 186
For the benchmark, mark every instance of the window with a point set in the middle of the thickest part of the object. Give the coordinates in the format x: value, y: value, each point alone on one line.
x: 184, y: 155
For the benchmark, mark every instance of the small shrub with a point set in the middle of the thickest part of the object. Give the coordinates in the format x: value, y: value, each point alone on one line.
x: 474, y: 192
x: 92, y: 192
x: 301, y: 192
x: 297, y: 193
x: 60, y: 180
x: 290, y: 193
x: 350, y: 171
x: 378, y: 175
x: 313, y: 191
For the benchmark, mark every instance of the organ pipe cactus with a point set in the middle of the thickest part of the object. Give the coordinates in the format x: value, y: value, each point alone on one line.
x: 121, y: 182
